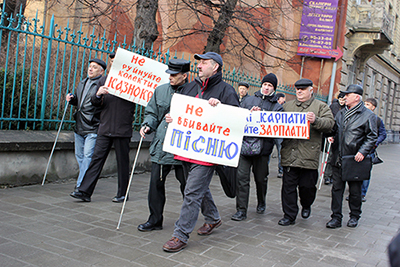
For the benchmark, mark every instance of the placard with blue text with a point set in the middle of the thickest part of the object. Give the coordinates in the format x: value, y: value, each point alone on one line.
x: 202, y: 132
x: 277, y: 124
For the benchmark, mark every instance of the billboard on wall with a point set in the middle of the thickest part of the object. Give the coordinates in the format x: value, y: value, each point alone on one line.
x: 318, y: 28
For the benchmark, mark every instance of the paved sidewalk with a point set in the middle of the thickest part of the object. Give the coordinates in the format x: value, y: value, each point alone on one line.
x: 44, y: 226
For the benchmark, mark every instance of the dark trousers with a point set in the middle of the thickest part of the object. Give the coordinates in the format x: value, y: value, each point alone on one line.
x: 305, y: 180
x: 338, y: 187
x: 260, y: 171
x: 101, y: 150
x: 156, y: 196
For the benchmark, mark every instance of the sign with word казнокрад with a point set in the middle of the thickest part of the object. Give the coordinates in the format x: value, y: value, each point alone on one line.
x: 277, y: 124
x: 134, y: 77
x: 317, y: 28
x: 202, y: 132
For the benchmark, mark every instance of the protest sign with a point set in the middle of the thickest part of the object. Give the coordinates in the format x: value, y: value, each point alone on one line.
x: 277, y: 124
x: 134, y: 77
x: 202, y: 132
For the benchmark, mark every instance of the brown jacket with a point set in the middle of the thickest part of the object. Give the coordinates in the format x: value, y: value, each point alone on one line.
x: 304, y: 153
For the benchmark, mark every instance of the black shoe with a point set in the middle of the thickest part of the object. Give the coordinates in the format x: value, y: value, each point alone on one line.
x: 327, y: 181
x: 353, y: 222
x: 81, y: 195
x: 305, y: 212
x: 280, y: 175
x: 147, y: 226
x: 285, y: 222
x: 347, y: 198
x: 239, y: 216
x: 260, y: 208
x: 118, y: 199
x: 334, y: 223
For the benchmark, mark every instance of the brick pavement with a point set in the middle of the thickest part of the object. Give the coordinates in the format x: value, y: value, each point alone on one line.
x: 43, y: 226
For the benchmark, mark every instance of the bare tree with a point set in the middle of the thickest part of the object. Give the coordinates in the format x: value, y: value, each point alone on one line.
x: 101, y: 13
x: 250, y: 33
x: 145, y: 31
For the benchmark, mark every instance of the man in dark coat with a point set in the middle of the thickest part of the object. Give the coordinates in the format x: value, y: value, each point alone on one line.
x: 355, y: 133
x: 243, y: 89
x: 263, y: 100
x: 210, y: 86
x: 115, y: 128
x: 162, y: 162
x: 87, y: 116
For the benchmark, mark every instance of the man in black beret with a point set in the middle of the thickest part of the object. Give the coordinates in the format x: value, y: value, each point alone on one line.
x: 86, y: 116
x: 162, y: 162
x: 300, y: 157
x: 355, y: 133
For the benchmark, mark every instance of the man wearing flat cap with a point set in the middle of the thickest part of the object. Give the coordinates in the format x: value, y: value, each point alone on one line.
x: 243, y: 89
x: 300, y: 157
x: 87, y: 116
x: 162, y: 162
x: 115, y: 129
x: 209, y: 86
x: 355, y: 133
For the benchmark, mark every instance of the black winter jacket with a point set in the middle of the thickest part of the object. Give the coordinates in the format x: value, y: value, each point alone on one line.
x: 266, y: 103
x: 86, y: 116
x: 358, y: 134
x: 213, y: 87
x: 116, y: 115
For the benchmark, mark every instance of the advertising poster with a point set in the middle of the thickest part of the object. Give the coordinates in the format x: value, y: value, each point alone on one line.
x: 317, y: 28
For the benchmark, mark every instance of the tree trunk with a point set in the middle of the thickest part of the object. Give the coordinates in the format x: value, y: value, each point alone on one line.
x: 145, y: 23
x: 217, y: 35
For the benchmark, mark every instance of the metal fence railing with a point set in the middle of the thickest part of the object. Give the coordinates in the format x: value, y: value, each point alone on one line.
x: 40, y: 64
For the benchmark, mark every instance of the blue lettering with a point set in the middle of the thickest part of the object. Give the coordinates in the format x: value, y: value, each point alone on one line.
x: 186, y: 145
x: 212, y: 144
x: 194, y: 145
x: 303, y: 119
x: 176, y: 134
x: 227, y: 151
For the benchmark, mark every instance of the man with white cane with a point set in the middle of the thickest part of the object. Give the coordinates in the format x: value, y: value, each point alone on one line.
x: 87, y: 116
x: 161, y: 161
x: 115, y: 128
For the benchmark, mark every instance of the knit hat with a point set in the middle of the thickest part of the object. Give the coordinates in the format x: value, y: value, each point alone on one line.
x: 270, y: 78
x: 341, y: 95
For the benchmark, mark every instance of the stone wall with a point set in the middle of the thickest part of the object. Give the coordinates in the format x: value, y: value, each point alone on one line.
x: 24, y: 156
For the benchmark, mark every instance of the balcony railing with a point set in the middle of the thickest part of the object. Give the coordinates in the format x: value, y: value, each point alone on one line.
x: 370, y: 18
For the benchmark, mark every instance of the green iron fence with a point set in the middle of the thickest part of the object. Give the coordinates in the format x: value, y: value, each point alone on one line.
x: 39, y: 65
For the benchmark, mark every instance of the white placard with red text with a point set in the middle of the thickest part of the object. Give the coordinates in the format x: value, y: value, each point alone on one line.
x: 202, y: 132
x: 277, y: 124
x: 134, y: 77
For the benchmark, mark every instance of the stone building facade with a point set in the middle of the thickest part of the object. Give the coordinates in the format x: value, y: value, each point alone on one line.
x: 367, y: 31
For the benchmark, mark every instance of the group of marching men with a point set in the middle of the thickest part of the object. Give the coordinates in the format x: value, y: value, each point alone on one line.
x: 103, y: 120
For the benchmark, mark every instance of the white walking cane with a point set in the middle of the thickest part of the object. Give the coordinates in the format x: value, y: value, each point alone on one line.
x: 129, y: 184
x: 324, y: 165
x: 55, y: 142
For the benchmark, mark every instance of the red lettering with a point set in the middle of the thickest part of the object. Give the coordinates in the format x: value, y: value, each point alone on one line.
x: 189, y: 109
